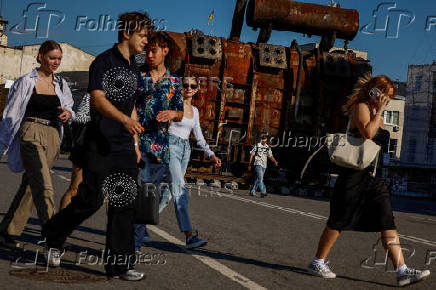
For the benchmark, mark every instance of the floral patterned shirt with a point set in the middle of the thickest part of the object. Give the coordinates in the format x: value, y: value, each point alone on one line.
x: 163, y: 95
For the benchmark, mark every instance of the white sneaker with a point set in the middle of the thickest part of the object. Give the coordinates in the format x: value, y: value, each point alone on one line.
x: 321, y: 270
x: 53, y: 256
x: 130, y: 275
x: 411, y: 276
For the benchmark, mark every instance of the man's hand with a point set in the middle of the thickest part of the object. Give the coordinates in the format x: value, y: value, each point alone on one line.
x: 249, y: 166
x: 216, y: 160
x: 165, y: 116
x: 65, y: 115
x: 133, y: 126
x: 276, y: 163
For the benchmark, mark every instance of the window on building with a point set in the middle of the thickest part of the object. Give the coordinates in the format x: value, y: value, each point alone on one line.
x: 412, y: 150
x: 391, y: 117
x: 418, y: 83
x: 392, y: 150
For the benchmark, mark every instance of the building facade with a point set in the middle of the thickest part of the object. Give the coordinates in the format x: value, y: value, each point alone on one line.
x: 419, y: 146
x: 394, y: 123
x: 416, y: 175
x: 16, y: 61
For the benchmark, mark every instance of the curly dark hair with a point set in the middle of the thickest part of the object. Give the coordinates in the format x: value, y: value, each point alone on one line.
x: 133, y: 21
x: 163, y: 40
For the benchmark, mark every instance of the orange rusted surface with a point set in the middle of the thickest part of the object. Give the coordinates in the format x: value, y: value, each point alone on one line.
x: 305, y: 18
x: 249, y: 89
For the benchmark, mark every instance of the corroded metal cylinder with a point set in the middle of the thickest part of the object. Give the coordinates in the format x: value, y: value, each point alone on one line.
x: 312, y: 19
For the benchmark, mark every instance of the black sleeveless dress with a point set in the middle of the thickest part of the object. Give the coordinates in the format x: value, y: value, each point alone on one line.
x: 361, y: 202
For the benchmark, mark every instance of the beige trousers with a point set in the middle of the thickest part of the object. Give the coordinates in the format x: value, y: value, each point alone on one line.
x: 39, y: 146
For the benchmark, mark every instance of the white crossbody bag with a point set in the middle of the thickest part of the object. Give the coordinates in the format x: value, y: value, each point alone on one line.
x: 347, y: 151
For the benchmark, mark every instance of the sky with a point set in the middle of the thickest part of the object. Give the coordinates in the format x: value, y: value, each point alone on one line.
x: 408, y: 38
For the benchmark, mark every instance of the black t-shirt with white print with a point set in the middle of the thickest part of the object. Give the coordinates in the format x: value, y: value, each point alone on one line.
x: 113, y: 74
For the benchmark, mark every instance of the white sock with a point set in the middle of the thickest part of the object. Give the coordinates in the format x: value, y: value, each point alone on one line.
x: 401, y: 270
x: 316, y: 260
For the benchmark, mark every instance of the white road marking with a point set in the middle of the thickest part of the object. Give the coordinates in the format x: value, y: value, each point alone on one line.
x: 316, y: 216
x: 215, y: 265
x: 60, y: 175
x: 289, y: 210
x: 418, y: 240
x: 423, y: 218
x: 285, y: 209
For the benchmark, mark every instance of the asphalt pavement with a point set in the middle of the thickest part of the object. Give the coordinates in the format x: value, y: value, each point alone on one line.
x: 253, y: 242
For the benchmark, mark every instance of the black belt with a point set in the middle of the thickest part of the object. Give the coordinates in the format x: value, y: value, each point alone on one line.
x: 42, y: 121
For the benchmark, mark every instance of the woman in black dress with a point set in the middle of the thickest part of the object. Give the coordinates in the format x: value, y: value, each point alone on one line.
x: 361, y: 202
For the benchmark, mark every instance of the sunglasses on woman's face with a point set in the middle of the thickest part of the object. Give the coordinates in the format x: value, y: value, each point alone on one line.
x: 192, y: 86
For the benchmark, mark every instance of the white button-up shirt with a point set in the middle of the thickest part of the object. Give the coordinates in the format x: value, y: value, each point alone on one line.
x: 261, y: 153
x: 13, y: 114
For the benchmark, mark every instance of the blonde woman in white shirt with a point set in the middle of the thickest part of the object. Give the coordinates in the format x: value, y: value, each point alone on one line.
x: 180, y: 152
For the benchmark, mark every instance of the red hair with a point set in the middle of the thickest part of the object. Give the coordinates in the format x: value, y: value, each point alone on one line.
x: 364, y: 86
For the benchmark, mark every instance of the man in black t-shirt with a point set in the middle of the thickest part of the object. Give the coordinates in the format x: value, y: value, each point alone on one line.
x: 110, y: 163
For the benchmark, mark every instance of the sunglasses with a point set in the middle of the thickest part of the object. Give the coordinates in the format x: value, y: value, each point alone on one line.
x: 191, y: 86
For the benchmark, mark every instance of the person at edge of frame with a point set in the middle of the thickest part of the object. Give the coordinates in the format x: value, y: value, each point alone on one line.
x: 360, y: 201
x: 31, y: 129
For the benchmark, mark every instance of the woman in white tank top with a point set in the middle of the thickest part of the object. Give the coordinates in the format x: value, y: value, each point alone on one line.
x: 180, y: 152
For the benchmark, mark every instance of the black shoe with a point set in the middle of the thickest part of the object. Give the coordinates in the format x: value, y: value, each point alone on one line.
x: 67, y: 246
x: 263, y: 195
x: 195, y: 242
x: 8, y: 242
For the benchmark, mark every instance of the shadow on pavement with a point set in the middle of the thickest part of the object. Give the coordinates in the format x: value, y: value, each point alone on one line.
x: 230, y: 257
x: 28, y: 258
x: 33, y: 236
x: 414, y: 205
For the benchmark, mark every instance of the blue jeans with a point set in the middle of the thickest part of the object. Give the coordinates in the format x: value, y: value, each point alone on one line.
x: 258, y: 181
x: 180, y: 151
x: 153, y: 173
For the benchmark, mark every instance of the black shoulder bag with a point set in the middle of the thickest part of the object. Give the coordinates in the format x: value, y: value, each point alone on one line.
x: 147, y: 204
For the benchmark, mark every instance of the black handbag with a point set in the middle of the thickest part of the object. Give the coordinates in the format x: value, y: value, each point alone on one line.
x: 147, y: 204
x: 67, y: 140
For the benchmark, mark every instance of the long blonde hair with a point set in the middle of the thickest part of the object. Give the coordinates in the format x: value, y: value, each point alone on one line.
x: 363, y: 87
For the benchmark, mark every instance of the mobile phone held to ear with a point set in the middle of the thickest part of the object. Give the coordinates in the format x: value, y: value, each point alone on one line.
x: 374, y: 93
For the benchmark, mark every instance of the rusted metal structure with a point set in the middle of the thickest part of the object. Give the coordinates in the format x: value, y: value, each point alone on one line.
x: 248, y: 89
